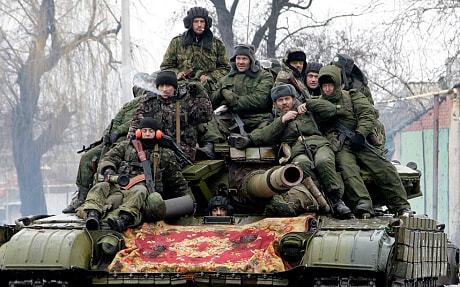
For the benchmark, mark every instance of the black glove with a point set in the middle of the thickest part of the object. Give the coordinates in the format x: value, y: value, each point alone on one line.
x: 358, y: 142
x: 238, y: 141
x: 108, y: 172
x: 113, y: 137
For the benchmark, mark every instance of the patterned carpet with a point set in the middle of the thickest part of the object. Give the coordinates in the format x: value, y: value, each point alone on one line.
x: 159, y: 247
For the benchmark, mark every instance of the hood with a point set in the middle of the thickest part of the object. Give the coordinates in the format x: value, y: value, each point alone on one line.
x: 333, y: 72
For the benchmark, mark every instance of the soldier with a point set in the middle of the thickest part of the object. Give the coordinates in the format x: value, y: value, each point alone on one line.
x: 293, y: 72
x: 339, y: 112
x: 311, y: 78
x: 167, y: 176
x: 115, y: 133
x: 180, y: 109
x: 244, y: 93
x: 354, y: 78
x: 300, y: 132
x: 219, y: 206
x: 197, y: 54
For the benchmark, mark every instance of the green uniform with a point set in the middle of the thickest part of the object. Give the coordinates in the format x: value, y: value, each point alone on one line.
x: 354, y: 111
x: 324, y: 160
x: 249, y: 99
x: 169, y: 182
x: 206, y: 56
x: 120, y: 127
x: 195, y: 109
x: 289, y: 75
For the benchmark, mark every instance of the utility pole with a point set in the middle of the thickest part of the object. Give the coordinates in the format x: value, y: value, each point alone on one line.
x: 435, y: 156
x: 126, y: 66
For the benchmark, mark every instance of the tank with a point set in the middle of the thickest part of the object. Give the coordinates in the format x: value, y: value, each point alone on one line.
x: 247, y: 248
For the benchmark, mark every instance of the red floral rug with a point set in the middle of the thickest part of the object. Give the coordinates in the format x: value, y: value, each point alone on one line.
x: 159, y: 247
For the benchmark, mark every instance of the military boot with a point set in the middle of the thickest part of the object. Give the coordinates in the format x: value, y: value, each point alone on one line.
x: 364, y: 209
x: 92, y: 220
x: 121, y: 223
x: 77, y: 200
x: 207, y: 150
x: 339, y: 207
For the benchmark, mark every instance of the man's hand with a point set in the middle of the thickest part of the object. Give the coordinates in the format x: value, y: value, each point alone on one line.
x: 289, y: 116
x: 302, y: 109
x: 358, y: 142
x: 230, y: 97
x: 204, y: 78
x: 181, y: 75
x: 107, y: 173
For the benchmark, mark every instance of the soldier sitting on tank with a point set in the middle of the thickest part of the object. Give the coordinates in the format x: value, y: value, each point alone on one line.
x: 181, y: 108
x: 166, y: 180
x: 354, y: 78
x: 298, y: 132
x: 242, y: 96
x: 346, y: 119
x: 197, y: 54
x: 293, y: 72
x: 219, y: 206
x: 311, y: 78
x: 116, y: 132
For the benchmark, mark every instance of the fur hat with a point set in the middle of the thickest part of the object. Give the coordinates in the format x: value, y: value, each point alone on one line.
x: 296, y: 56
x: 282, y: 91
x: 246, y: 50
x: 166, y: 77
x: 313, y: 67
x: 197, y: 12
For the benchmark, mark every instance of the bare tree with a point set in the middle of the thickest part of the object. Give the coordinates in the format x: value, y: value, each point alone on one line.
x: 44, y: 39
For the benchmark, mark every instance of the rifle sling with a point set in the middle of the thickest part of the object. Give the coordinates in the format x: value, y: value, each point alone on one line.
x: 145, y: 165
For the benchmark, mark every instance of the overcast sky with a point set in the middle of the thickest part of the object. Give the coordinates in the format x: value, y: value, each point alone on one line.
x: 152, y: 27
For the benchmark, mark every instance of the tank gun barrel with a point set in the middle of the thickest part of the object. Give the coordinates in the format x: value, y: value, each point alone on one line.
x: 266, y: 183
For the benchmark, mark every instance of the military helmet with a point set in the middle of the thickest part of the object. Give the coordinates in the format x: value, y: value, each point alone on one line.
x: 313, y: 67
x: 197, y: 12
x: 219, y: 201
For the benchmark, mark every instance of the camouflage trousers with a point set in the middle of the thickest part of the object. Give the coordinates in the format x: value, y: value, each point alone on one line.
x: 85, y: 175
x: 217, y: 131
x: 99, y: 196
x: 382, y: 172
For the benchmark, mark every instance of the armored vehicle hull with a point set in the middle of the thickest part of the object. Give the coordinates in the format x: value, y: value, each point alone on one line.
x: 248, y: 249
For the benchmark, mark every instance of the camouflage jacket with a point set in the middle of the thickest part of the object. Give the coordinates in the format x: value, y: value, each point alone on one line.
x: 286, y: 76
x: 180, y: 57
x: 123, y: 118
x: 278, y: 132
x: 351, y: 109
x: 169, y: 181
x: 195, y: 108
x: 252, y: 91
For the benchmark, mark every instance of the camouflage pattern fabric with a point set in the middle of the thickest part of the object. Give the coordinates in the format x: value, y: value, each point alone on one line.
x: 284, y: 77
x: 169, y: 181
x: 121, y: 123
x: 195, y: 109
x: 354, y: 111
x: 179, y: 58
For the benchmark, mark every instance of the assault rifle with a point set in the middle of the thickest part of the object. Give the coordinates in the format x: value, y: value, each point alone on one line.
x: 345, y: 132
x: 105, y: 139
x: 168, y: 142
x: 308, y: 151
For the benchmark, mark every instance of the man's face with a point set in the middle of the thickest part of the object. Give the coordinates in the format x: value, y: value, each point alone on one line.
x: 328, y: 88
x: 219, y: 211
x: 148, y: 133
x: 166, y: 90
x: 285, y: 103
x: 312, y: 80
x: 242, y: 63
x: 298, y: 65
x: 198, y: 25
